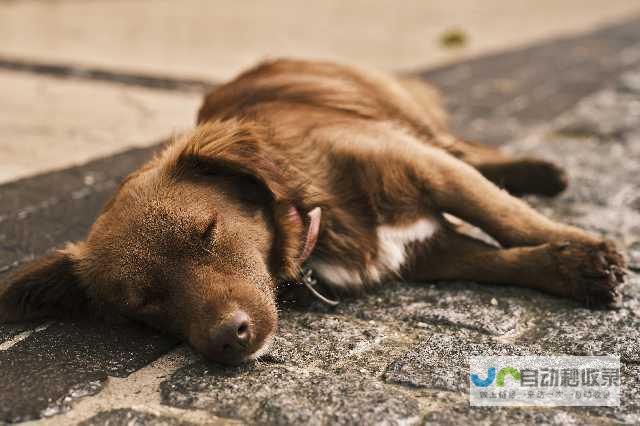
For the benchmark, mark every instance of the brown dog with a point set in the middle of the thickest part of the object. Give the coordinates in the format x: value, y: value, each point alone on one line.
x: 293, y: 162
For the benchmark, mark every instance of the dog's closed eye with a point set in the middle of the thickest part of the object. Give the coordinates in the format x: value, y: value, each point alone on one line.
x: 152, y: 297
x: 209, y: 234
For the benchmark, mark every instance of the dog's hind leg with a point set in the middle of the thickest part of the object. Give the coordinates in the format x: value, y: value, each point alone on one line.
x: 574, y: 270
x: 519, y: 176
x: 455, y: 187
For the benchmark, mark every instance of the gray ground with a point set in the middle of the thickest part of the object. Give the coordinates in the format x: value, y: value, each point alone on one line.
x: 395, y: 356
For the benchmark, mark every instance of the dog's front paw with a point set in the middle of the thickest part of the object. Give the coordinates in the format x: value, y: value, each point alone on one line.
x: 592, y: 271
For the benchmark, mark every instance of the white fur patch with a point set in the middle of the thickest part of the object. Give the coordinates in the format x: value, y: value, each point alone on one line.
x: 336, y: 274
x: 392, y: 254
x: 392, y: 244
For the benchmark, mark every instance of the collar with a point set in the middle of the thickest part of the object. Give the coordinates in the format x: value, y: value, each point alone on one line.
x: 312, y: 227
x: 312, y: 230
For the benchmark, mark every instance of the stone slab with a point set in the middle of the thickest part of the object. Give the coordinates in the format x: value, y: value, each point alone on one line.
x: 497, y: 98
x: 128, y: 417
x: 267, y: 394
x: 584, y: 332
x: 441, y: 361
x: 479, y: 308
x: 43, y: 374
x: 47, y: 123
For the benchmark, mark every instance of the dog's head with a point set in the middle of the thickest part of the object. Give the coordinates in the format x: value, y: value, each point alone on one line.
x: 192, y: 243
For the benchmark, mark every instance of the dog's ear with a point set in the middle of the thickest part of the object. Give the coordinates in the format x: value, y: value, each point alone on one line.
x: 46, y: 287
x: 242, y: 148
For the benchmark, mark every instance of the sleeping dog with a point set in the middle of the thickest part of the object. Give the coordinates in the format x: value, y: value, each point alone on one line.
x: 348, y: 172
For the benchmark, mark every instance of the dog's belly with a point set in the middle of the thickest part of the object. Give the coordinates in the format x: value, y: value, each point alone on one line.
x: 392, y: 254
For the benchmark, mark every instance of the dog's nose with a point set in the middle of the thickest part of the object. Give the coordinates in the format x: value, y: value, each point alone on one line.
x: 231, y: 337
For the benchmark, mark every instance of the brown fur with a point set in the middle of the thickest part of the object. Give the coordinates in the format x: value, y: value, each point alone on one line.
x: 205, y: 228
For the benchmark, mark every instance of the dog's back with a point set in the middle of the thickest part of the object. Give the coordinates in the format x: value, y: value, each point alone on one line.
x: 303, y: 95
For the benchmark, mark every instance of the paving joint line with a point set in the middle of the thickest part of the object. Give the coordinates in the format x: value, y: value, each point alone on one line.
x: 139, y: 391
x: 25, y: 212
x: 22, y: 336
x: 91, y: 73
x: 16, y: 263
